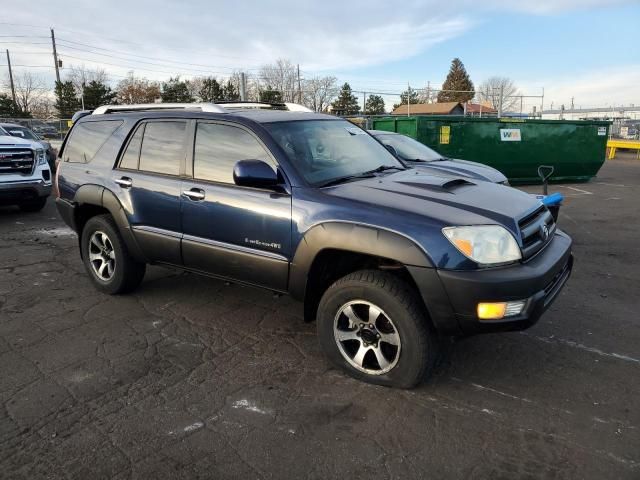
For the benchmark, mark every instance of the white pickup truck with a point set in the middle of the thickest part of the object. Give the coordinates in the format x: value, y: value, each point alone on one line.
x: 25, y: 176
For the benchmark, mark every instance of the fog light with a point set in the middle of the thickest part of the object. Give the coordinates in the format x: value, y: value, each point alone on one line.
x: 500, y: 310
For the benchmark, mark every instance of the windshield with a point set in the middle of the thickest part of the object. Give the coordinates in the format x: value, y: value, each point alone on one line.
x: 408, y: 148
x: 326, y: 150
x: 22, y: 133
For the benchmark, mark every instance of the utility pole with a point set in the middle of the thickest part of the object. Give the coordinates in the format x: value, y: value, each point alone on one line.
x: 13, y: 90
x: 428, y: 91
x: 299, y: 84
x: 500, y: 101
x: 55, y: 55
x: 364, y: 103
x: 408, y: 99
x: 243, y: 87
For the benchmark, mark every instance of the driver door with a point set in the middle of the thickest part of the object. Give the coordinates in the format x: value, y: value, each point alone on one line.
x: 235, y: 232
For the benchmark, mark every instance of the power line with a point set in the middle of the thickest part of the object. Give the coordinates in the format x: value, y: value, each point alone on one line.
x: 152, y: 58
x: 164, y: 64
x: 133, y: 67
x: 29, y: 66
x: 27, y: 43
x: 23, y: 36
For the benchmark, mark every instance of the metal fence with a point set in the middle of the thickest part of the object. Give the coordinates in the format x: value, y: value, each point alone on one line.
x: 49, y: 129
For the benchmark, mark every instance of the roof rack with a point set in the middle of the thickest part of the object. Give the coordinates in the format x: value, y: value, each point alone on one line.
x: 203, y: 107
x: 292, y: 107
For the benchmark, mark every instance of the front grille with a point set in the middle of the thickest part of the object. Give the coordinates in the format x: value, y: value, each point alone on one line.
x: 536, y: 231
x: 16, y: 160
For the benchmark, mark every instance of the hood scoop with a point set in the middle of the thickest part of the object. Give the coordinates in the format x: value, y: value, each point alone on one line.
x: 439, y: 183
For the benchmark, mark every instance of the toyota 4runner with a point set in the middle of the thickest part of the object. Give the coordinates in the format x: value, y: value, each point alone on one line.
x: 386, y: 258
x: 25, y: 177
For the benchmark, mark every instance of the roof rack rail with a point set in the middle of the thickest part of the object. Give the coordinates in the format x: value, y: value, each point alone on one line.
x: 203, y: 107
x: 293, y: 107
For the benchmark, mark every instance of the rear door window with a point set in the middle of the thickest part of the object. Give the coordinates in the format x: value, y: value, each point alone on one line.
x: 163, y: 147
x: 87, y: 138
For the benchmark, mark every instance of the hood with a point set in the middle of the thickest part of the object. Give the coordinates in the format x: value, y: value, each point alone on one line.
x: 441, y: 198
x: 8, y: 140
x: 463, y: 168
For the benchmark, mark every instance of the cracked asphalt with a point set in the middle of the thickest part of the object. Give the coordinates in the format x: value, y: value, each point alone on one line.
x: 194, y: 378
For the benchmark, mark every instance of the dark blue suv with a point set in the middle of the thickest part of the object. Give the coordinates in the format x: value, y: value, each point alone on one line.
x: 386, y: 258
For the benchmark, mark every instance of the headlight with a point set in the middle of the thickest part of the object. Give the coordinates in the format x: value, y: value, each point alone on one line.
x: 485, y: 244
x: 41, y: 155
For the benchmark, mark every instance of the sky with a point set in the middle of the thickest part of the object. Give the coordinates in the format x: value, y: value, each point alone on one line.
x: 588, y: 50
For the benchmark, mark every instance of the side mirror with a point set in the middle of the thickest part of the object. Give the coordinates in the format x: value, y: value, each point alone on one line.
x: 254, y: 173
x: 391, y: 149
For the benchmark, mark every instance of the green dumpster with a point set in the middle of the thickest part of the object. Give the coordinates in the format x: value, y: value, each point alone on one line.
x: 516, y: 147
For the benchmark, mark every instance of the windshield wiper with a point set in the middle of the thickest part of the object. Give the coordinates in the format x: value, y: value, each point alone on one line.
x: 367, y: 174
x: 339, y: 180
x: 440, y: 159
x: 383, y: 168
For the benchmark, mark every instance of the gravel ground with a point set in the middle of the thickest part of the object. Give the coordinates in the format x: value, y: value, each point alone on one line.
x: 194, y: 378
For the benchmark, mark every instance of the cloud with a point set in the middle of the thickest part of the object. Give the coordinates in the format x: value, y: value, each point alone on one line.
x: 226, y: 35
x: 546, y: 7
x: 611, y: 86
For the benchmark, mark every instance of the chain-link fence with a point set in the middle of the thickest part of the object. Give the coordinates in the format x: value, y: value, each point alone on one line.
x: 47, y: 129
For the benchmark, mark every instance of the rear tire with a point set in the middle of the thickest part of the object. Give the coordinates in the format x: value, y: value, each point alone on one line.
x: 373, y: 325
x: 33, y: 205
x: 106, y: 258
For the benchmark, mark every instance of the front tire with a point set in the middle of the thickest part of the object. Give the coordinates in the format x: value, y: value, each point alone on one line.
x: 372, y: 325
x: 106, y: 258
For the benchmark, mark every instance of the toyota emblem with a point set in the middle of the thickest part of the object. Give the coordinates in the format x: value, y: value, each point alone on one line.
x: 544, y: 232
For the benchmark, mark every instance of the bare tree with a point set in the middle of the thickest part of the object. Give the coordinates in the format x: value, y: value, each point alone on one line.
x: 43, y: 107
x: 283, y: 77
x: 319, y: 92
x: 137, y: 90
x: 29, y: 89
x: 81, y: 75
x: 497, y: 91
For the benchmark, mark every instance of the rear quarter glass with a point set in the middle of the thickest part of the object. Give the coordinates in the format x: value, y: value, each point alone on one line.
x: 87, y: 139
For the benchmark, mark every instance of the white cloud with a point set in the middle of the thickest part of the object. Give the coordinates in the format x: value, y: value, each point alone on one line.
x: 601, y: 88
x: 544, y: 7
x: 331, y: 36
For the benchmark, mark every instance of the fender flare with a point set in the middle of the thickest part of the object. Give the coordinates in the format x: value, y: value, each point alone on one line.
x: 102, y: 197
x: 352, y: 237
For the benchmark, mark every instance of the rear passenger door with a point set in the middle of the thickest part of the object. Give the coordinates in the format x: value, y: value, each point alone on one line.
x: 236, y: 232
x: 149, y: 179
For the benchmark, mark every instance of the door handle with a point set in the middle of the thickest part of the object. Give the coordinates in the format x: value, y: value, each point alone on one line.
x: 194, y: 194
x: 124, y: 182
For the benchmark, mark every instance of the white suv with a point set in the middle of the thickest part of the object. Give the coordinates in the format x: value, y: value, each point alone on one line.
x: 25, y: 176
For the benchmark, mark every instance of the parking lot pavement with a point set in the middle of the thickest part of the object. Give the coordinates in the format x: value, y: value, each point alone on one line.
x: 191, y: 377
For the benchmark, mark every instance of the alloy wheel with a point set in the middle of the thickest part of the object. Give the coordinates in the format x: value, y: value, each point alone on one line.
x: 102, y: 256
x: 367, y: 337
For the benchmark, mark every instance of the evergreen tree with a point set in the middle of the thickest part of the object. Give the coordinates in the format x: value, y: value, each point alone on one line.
x: 67, y: 102
x: 269, y: 95
x: 7, y: 107
x: 410, y: 94
x: 346, y: 103
x: 230, y: 92
x: 176, y: 90
x: 96, y: 94
x: 374, y: 105
x: 457, y: 79
x: 211, y: 90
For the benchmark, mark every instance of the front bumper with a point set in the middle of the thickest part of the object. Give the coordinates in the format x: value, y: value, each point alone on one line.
x: 538, y: 281
x: 17, y: 191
